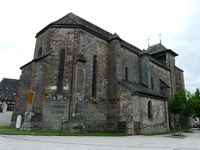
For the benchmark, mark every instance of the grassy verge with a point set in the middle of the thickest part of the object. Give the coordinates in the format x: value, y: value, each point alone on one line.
x: 4, y: 130
x: 12, y: 131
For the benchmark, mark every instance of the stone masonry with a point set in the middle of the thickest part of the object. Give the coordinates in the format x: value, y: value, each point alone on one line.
x: 87, y: 79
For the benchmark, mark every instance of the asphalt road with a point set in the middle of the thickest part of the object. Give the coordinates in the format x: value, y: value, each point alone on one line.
x: 158, y: 142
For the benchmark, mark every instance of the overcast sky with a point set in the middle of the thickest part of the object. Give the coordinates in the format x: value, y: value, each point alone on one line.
x: 133, y: 20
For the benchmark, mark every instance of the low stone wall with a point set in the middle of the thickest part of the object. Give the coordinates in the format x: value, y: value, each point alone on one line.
x: 5, y: 118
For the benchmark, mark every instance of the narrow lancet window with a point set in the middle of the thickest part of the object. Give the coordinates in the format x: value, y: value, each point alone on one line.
x: 94, y: 76
x: 61, y: 71
x: 39, y: 52
x: 152, y: 83
x: 150, y: 115
x: 126, y: 73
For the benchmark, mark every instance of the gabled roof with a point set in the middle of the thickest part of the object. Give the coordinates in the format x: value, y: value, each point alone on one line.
x: 159, y: 48
x: 73, y: 21
x: 35, y: 60
x: 179, y: 69
x: 9, y: 82
x: 139, y: 89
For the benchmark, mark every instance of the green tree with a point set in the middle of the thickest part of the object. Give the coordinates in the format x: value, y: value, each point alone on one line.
x: 197, y: 93
x: 188, y: 108
x: 181, y: 106
x: 177, y: 103
x: 195, y: 98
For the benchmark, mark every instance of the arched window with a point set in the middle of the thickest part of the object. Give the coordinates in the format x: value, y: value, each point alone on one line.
x: 61, y: 68
x: 39, y: 52
x: 126, y: 73
x: 94, y: 77
x: 152, y: 83
x: 149, y: 110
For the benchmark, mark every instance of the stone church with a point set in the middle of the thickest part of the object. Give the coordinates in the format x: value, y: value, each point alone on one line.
x: 85, y: 78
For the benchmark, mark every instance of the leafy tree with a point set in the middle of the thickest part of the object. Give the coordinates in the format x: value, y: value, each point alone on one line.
x: 177, y: 103
x: 184, y: 104
x: 197, y: 93
x: 195, y: 98
x: 188, y: 108
x: 181, y: 106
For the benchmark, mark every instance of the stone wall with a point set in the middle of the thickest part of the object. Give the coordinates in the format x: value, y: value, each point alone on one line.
x: 22, y: 94
x: 145, y: 77
x: 159, y: 121
x: 92, y: 110
x: 130, y: 60
x: 56, y: 106
x: 152, y: 74
x: 158, y: 73
x: 75, y: 104
x: 170, y: 62
x: 179, y: 78
x: 62, y: 89
x: 134, y: 111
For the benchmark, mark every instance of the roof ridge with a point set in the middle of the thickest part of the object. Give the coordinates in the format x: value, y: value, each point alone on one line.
x: 9, y: 79
x: 156, y: 45
x: 63, y: 17
x: 75, y: 19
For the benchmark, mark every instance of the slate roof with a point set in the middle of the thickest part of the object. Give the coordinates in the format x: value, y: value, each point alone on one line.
x: 35, y: 60
x: 8, y: 89
x: 179, y: 69
x: 159, y: 48
x: 139, y: 89
x: 73, y: 21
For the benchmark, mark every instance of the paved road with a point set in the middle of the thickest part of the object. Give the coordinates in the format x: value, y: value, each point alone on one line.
x: 161, y: 142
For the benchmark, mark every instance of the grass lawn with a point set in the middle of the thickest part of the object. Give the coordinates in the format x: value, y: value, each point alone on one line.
x: 4, y: 130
